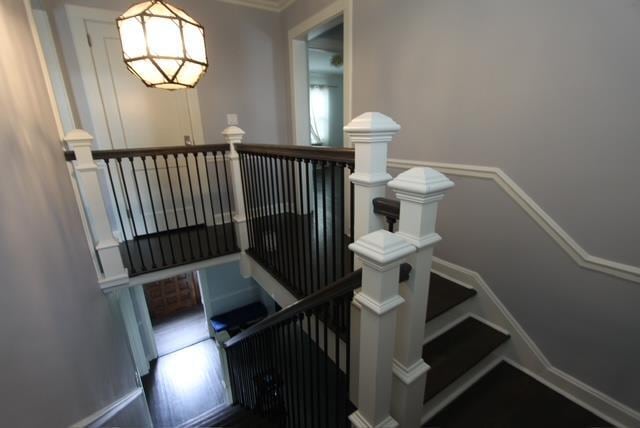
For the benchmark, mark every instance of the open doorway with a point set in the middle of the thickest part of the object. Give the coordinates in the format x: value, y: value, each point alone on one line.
x: 176, y: 312
x: 320, y: 67
x: 325, y: 57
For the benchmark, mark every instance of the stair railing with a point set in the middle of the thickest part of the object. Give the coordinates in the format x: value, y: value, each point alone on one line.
x: 167, y: 206
x: 293, y: 367
x: 298, y: 212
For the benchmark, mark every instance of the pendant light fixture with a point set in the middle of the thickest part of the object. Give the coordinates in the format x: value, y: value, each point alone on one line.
x: 162, y: 45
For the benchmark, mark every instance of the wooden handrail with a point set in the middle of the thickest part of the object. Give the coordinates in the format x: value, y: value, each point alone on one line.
x: 330, y: 154
x: 339, y: 288
x: 389, y: 208
x: 151, y: 151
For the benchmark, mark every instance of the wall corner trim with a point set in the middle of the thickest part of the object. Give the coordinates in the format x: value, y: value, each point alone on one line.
x: 530, y: 207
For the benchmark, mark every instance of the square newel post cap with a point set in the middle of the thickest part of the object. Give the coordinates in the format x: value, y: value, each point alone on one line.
x: 381, y: 249
x: 233, y: 134
x: 78, y: 136
x: 419, y: 183
x: 371, y: 127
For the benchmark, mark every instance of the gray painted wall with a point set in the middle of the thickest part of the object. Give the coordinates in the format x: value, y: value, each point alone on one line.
x: 246, y: 73
x: 228, y: 290
x: 547, y: 90
x: 64, y: 355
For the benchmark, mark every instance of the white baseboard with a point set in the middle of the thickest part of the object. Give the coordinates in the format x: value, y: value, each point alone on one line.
x: 522, y: 351
x: 107, y: 413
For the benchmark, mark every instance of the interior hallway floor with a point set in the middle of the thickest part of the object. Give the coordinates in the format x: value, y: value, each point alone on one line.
x: 180, y: 331
x: 185, y: 384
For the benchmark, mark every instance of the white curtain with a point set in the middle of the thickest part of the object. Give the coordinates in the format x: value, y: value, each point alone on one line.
x: 319, y: 114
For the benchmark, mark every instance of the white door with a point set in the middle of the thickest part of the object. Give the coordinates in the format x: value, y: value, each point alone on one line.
x: 136, y: 116
x: 127, y: 115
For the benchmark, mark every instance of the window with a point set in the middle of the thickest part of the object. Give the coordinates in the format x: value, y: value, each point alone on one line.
x: 319, y: 114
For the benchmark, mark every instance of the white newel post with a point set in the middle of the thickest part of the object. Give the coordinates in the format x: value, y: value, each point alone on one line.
x: 381, y: 254
x: 233, y: 135
x: 419, y: 190
x: 370, y: 134
x: 86, y: 173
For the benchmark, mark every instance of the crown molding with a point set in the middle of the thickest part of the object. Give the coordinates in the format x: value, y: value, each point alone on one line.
x: 269, y: 5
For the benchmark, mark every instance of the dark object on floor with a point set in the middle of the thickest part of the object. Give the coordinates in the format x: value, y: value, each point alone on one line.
x: 239, y: 318
x: 508, y: 397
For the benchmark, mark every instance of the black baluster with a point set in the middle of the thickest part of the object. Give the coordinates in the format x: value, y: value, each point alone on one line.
x: 334, y: 236
x: 153, y: 209
x: 309, y: 224
x: 294, y: 224
x: 317, y: 223
x: 124, y: 231
x: 144, y: 220
x: 133, y: 220
x: 164, y: 210
x: 193, y: 205
x: 213, y: 211
x: 303, y: 238
x: 173, y: 198
x: 324, y: 227
x: 273, y: 183
x: 247, y: 206
x: 224, y: 228
x: 176, y: 158
x: 288, y: 273
x: 204, y: 212
x: 226, y: 181
x: 338, y: 328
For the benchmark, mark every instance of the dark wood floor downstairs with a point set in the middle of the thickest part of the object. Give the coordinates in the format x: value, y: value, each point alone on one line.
x: 185, y: 384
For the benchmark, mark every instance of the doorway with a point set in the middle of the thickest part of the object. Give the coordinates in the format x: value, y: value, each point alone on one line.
x: 177, y: 313
x: 320, y: 67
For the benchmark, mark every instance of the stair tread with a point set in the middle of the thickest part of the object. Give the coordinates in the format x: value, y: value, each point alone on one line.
x: 444, y: 295
x: 508, y: 397
x: 456, y: 351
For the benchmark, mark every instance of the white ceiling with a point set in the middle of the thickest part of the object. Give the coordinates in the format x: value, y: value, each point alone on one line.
x: 271, y: 5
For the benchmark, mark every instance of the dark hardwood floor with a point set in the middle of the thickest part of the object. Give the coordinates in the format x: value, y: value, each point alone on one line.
x: 180, y: 331
x: 185, y: 384
x: 507, y: 397
x: 177, y: 247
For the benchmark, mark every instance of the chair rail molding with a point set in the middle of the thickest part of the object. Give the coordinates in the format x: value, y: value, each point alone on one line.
x: 544, y: 220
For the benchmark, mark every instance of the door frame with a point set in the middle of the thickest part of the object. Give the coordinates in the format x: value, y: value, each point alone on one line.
x: 77, y: 18
x: 298, y: 68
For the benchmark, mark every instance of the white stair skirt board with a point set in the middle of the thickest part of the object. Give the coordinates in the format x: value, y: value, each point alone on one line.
x: 553, y: 229
x: 104, y: 415
x: 520, y: 350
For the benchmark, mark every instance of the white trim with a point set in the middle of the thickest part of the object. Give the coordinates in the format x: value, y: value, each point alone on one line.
x: 297, y: 33
x: 78, y: 17
x: 178, y: 270
x: 103, y: 415
x: 61, y: 133
x: 523, y: 350
x: 58, y: 89
x: 562, y: 238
